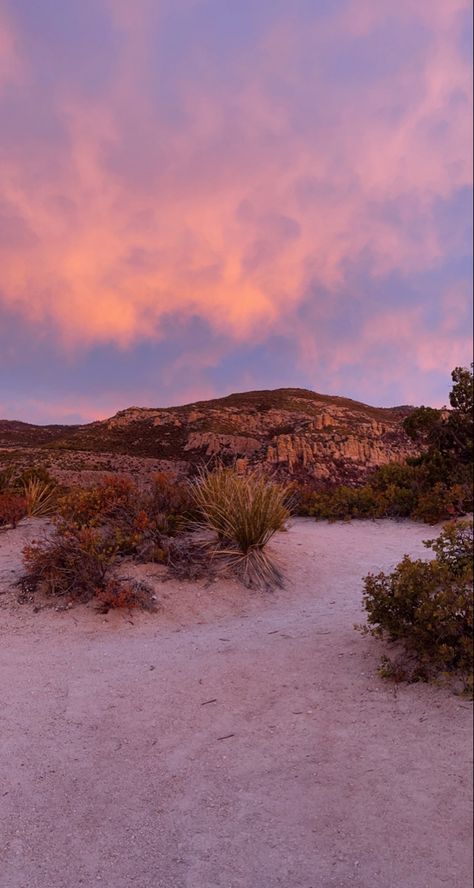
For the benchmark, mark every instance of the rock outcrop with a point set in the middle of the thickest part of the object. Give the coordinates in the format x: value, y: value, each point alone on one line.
x: 288, y: 433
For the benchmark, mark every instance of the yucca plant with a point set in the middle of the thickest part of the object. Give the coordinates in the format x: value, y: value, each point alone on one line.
x: 40, y: 498
x: 242, y: 512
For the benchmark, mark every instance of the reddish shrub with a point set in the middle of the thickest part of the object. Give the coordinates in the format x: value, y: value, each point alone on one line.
x: 122, y: 594
x: 12, y: 508
x: 114, y: 496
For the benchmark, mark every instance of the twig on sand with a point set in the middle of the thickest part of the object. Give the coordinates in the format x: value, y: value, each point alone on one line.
x: 226, y: 737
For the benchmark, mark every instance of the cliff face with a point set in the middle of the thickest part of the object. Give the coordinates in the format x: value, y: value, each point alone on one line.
x: 288, y: 433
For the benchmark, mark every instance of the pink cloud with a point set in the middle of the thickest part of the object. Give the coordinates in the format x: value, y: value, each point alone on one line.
x: 11, y: 65
x: 240, y: 210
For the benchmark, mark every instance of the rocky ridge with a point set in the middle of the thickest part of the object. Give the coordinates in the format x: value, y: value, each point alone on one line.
x: 288, y: 433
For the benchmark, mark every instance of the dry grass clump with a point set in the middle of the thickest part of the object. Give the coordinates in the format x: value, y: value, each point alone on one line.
x: 40, y: 498
x: 31, y: 493
x: 243, y: 512
x: 187, y: 558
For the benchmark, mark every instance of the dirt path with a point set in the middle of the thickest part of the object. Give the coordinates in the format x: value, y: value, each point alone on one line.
x: 235, y: 741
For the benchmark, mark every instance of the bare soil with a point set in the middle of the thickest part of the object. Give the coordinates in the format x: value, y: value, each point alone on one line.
x: 231, y: 740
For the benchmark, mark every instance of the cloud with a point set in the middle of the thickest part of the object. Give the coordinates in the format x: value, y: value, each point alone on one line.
x: 12, y: 66
x: 233, y: 174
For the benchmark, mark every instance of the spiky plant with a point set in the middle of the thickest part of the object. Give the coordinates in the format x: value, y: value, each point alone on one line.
x: 242, y: 512
x: 40, y: 498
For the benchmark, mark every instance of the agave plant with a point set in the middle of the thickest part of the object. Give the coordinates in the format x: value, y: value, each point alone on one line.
x: 40, y: 497
x: 242, y: 512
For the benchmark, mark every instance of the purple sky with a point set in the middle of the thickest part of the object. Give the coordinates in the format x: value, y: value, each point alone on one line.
x: 199, y: 197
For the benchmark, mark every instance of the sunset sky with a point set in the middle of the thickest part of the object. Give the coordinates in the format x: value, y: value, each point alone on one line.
x: 206, y: 196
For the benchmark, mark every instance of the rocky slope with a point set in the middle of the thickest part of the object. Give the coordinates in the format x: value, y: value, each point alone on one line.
x: 290, y: 433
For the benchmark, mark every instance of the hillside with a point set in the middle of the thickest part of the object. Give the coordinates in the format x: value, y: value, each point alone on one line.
x: 291, y: 433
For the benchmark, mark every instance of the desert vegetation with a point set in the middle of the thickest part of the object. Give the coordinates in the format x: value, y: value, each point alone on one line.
x: 426, y: 608
x: 31, y: 492
x: 242, y: 512
x: 431, y: 487
x: 222, y: 520
x: 96, y: 528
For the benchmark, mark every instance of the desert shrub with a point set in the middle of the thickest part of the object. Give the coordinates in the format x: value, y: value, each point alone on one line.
x: 138, y: 520
x: 110, y: 500
x: 449, y: 435
x: 392, y: 491
x: 396, y: 489
x: 168, y: 504
x: 170, y: 496
x: 73, y: 564
x: 242, y: 512
x: 125, y: 594
x: 441, y: 502
x: 12, y: 508
x: 113, y: 507
x: 427, y: 607
x: 6, y: 479
x: 342, y: 503
x: 453, y: 547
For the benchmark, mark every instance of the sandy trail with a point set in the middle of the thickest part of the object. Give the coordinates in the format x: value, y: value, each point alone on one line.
x: 113, y: 770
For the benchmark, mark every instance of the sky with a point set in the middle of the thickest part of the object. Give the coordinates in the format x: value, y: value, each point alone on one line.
x: 199, y: 197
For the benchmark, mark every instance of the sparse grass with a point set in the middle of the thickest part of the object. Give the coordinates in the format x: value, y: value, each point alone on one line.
x: 243, y: 512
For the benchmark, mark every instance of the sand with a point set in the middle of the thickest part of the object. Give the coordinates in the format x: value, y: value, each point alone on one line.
x: 232, y: 740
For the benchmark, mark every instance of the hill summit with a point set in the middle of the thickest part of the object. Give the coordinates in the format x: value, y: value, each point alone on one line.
x: 290, y: 433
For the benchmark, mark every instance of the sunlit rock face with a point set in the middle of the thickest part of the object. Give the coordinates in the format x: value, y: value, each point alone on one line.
x: 290, y: 434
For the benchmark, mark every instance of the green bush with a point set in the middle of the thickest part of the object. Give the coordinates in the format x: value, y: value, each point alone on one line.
x: 372, y: 500
x: 441, y: 502
x: 392, y: 491
x: 427, y: 606
x: 453, y: 547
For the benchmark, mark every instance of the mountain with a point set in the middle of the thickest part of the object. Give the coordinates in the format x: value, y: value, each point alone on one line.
x: 290, y: 433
